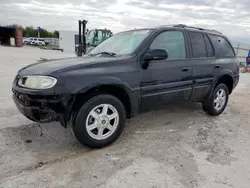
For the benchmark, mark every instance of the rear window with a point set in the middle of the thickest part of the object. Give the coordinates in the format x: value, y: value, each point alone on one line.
x: 222, y: 47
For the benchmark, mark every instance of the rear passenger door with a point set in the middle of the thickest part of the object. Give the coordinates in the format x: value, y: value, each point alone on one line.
x: 203, y: 62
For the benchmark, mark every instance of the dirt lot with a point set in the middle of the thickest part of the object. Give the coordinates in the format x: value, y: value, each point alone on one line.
x: 176, y: 147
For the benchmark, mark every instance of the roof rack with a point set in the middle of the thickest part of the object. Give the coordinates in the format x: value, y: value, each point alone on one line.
x: 202, y: 29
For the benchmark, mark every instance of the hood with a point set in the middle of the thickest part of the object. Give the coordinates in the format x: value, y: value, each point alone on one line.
x: 47, y: 67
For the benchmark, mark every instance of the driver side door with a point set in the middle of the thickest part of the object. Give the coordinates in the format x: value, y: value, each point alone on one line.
x: 169, y: 80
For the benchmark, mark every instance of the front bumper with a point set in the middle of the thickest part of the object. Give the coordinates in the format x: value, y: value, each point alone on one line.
x: 43, y: 109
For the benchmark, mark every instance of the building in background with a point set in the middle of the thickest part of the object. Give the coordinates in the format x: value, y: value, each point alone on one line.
x: 68, y: 40
x: 11, y: 36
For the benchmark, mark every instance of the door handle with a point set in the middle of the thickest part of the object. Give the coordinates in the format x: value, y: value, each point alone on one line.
x: 217, y: 66
x: 185, y: 69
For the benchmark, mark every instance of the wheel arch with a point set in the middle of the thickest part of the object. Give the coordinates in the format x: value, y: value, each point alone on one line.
x: 225, y: 78
x: 124, y: 94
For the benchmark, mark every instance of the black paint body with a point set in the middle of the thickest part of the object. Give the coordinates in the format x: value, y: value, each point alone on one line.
x: 148, y: 87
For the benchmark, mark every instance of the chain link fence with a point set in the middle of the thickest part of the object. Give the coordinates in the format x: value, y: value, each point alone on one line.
x: 241, y: 50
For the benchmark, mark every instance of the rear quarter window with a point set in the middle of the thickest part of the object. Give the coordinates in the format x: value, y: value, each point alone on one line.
x: 222, y: 47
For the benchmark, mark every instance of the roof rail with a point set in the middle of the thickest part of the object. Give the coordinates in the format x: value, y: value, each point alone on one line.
x: 198, y: 28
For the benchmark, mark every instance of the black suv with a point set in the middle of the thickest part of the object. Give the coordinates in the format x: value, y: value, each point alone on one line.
x: 131, y: 72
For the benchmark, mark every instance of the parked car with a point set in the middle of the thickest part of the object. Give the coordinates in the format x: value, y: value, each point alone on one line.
x: 27, y: 40
x: 38, y: 42
x: 130, y: 72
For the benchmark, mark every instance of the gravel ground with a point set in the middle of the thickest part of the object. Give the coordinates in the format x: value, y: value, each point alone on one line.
x: 175, y: 147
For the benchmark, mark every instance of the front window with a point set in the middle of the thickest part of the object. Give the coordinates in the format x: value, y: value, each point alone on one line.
x: 173, y: 42
x: 90, y: 37
x: 122, y: 43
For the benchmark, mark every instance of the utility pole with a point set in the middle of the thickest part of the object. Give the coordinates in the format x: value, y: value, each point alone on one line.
x: 38, y: 32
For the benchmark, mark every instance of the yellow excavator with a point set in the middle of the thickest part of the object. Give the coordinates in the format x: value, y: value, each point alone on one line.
x: 91, y: 38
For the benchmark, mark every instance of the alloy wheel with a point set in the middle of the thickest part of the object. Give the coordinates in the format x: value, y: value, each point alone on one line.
x: 102, y: 121
x: 220, y: 99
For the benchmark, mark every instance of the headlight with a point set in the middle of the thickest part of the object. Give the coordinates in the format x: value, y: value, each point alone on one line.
x: 37, y: 82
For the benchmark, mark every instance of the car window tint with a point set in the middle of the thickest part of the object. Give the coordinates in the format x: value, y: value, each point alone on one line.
x: 198, y: 45
x: 221, y: 46
x: 173, y: 42
x: 210, y: 50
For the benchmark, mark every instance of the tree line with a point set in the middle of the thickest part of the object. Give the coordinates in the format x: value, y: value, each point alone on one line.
x: 30, y: 31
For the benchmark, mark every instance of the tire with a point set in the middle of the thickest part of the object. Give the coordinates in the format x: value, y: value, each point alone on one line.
x: 211, y: 107
x: 204, y: 107
x: 99, y: 122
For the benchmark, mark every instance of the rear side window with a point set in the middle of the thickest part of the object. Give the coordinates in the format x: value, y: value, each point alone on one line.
x: 198, y: 45
x: 173, y: 42
x: 210, y: 50
x: 222, y: 47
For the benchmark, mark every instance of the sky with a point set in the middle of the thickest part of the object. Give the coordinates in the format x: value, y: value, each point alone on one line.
x: 228, y: 16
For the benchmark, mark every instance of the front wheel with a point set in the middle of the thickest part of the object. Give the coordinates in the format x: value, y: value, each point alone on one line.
x: 100, y: 121
x: 217, y: 102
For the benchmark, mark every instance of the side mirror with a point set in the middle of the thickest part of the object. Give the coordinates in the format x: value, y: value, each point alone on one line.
x: 156, y: 54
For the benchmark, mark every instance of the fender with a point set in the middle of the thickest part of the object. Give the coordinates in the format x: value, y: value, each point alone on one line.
x: 134, y: 94
x: 225, y: 72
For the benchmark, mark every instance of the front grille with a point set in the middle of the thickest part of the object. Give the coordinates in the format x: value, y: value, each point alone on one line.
x: 37, y: 100
x: 44, y: 97
x: 26, y: 100
x: 21, y: 97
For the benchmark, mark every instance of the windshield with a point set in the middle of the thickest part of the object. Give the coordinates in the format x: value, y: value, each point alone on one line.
x: 122, y: 43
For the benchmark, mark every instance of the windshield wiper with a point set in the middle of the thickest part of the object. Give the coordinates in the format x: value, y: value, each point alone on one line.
x: 105, y: 53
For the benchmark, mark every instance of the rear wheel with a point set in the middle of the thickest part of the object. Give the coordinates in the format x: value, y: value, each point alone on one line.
x: 217, y: 103
x: 100, y: 121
